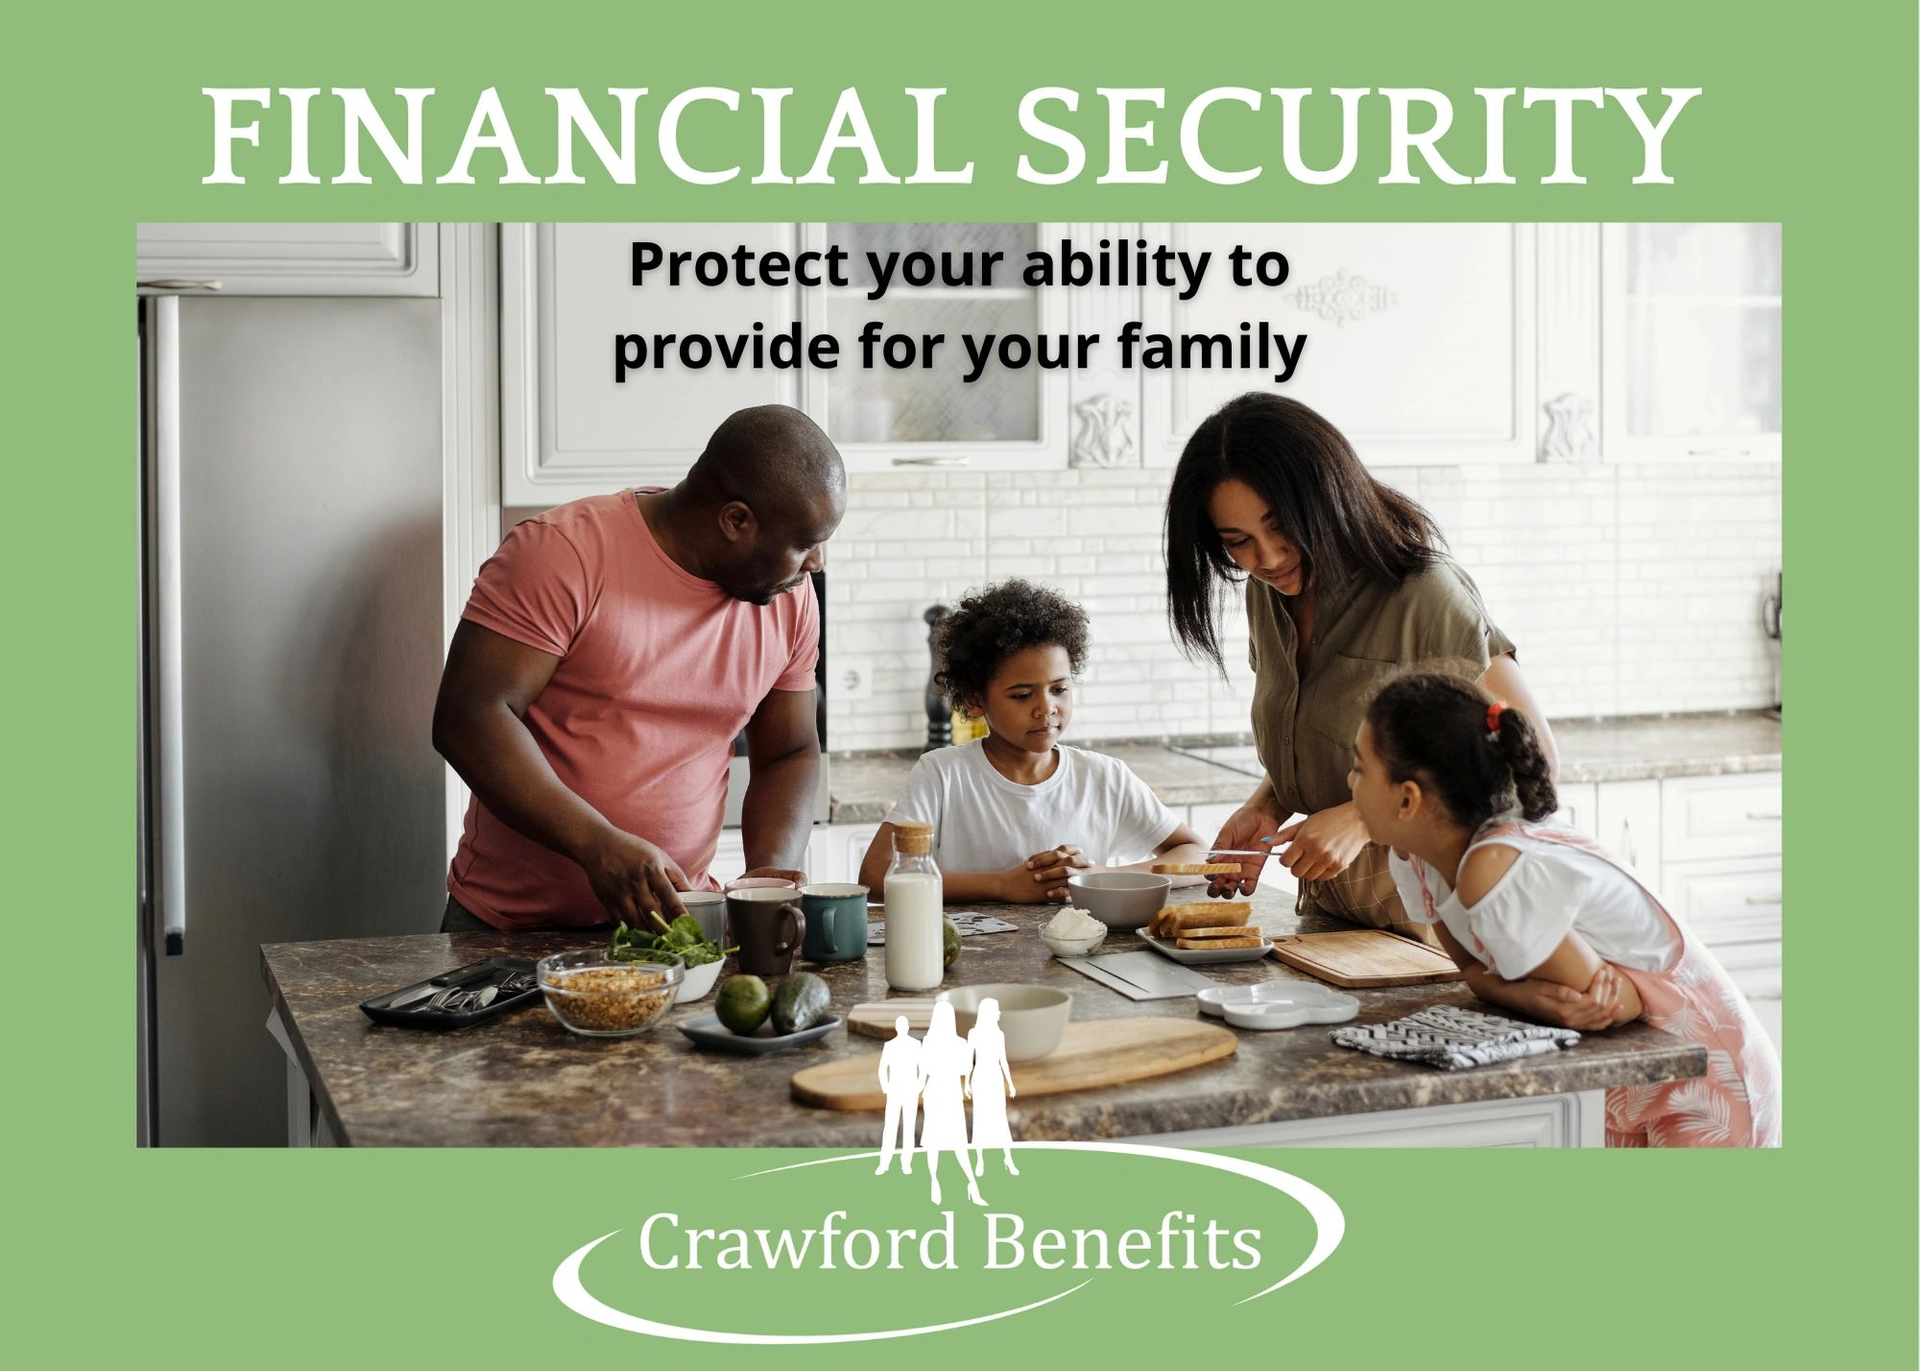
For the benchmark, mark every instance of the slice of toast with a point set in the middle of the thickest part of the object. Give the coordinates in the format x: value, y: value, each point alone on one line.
x: 1215, y: 944
x: 1241, y: 931
x: 1201, y: 914
x: 1195, y: 868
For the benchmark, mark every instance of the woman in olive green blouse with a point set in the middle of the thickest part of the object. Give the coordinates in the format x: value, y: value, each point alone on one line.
x: 1345, y: 584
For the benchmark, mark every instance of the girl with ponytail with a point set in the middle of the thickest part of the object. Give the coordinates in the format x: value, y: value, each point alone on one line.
x: 1542, y: 920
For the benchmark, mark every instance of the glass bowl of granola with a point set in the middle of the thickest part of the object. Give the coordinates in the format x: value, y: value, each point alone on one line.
x: 600, y: 998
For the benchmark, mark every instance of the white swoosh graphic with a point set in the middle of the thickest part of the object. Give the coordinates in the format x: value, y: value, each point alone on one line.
x: 1330, y: 1225
x: 566, y: 1284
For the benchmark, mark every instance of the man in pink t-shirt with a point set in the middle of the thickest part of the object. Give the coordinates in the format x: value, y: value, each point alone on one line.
x: 611, y: 652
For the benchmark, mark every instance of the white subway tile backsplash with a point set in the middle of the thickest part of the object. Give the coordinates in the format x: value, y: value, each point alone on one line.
x: 1630, y: 589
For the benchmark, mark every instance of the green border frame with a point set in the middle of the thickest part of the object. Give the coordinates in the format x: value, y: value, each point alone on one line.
x: 1808, y: 117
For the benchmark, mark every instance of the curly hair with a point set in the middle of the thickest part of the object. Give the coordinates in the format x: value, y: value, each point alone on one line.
x: 993, y: 624
x: 1430, y: 724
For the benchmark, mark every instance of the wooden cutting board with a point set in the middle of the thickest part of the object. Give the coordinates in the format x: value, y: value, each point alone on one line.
x: 1359, y: 958
x: 1089, y: 1055
x: 876, y: 1020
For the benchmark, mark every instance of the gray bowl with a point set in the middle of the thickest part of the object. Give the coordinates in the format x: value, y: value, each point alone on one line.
x: 1120, y: 899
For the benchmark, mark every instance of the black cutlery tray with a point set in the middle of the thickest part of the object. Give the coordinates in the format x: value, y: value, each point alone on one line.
x: 473, y: 976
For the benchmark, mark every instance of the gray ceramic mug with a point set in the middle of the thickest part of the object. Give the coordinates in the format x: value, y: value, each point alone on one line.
x: 768, y: 926
x: 709, y: 910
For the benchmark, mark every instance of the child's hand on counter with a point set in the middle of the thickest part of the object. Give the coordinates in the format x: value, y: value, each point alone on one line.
x: 1043, y: 876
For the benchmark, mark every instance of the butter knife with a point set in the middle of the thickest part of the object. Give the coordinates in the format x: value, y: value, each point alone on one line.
x: 414, y: 996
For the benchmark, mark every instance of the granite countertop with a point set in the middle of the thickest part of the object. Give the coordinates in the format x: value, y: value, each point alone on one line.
x: 523, y: 1080
x: 1222, y: 770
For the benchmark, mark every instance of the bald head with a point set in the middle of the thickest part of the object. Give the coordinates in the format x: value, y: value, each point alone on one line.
x: 764, y: 496
x: 771, y: 457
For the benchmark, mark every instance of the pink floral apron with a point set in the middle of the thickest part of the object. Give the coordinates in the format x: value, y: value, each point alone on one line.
x: 1737, y: 1103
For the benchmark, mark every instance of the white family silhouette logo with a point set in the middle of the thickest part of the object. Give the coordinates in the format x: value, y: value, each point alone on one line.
x: 933, y: 1077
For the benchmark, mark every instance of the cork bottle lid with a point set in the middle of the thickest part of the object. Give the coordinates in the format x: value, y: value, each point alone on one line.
x: 913, y: 840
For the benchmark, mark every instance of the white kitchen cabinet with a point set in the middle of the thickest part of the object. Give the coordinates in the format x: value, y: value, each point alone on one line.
x: 1691, y: 340
x: 568, y: 428
x: 1207, y: 819
x: 571, y: 428
x: 1720, y: 873
x: 1012, y: 416
x: 1721, y: 816
x: 1446, y: 310
x: 1709, y: 846
x: 837, y: 850
x: 730, y: 857
x: 827, y: 856
x: 1568, y: 1120
x: 290, y: 259
x: 1626, y: 821
x: 1579, y: 807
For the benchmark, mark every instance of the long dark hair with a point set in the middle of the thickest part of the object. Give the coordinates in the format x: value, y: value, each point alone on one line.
x: 1431, y: 727
x: 1328, y: 505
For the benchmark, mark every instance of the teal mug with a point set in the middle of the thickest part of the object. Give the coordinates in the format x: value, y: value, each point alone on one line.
x: 836, y: 922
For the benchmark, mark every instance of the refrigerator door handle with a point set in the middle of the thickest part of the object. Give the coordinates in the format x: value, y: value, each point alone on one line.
x: 169, y: 731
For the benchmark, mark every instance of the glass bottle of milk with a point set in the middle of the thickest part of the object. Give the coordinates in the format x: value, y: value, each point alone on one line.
x: 915, y: 917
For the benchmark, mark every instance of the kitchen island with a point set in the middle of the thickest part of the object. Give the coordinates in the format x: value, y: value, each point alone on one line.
x: 522, y: 1080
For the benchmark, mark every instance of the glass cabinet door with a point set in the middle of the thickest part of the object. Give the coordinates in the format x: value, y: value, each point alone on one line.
x: 1693, y: 340
x: 906, y: 411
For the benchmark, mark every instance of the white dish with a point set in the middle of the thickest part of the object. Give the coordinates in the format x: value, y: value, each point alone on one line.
x: 1073, y: 947
x: 1277, y: 1004
x: 1282, y: 1014
x: 1207, y: 956
x: 698, y: 981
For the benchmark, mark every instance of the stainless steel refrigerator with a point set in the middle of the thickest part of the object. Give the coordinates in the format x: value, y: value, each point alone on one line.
x: 290, y: 470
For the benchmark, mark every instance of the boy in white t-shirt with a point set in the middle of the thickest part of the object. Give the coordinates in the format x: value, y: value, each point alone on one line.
x: 1015, y: 813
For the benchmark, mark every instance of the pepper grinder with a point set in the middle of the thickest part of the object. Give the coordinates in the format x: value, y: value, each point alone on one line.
x: 939, y: 717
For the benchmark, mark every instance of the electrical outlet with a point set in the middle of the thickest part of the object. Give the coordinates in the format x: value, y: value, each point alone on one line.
x: 853, y: 679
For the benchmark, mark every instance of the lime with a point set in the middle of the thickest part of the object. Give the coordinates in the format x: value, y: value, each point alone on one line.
x: 743, y: 1003
x: 949, y: 944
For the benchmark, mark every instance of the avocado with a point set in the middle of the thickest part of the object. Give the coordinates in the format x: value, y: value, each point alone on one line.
x: 800, y: 1003
x: 949, y: 944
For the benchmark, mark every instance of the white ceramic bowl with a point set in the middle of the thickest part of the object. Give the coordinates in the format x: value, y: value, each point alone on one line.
x: 1120, y: 899
x: 1032, y: 1017
x: 699, y: 981
x: 1073, y: 947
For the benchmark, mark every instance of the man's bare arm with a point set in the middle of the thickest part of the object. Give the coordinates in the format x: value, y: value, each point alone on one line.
x: 478, y: 726
x: 783, y: 752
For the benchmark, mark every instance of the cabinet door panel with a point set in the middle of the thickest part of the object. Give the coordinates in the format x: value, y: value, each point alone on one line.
x: 568, y: 428
x: 853, y: 841
x: 1721, y: 816
x: 1727, y: 902
x: 1627, y: 824
x: 730, y: 857
x: 1578, y: 808
x: 1447, y: 310
x: 294, y: 259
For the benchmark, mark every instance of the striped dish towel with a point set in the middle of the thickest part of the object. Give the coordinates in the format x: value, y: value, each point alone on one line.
x: 1447, y: 1036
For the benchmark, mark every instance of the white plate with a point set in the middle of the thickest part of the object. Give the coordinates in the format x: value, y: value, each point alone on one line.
x: 1200, y: 956
x: 1277, y: 1004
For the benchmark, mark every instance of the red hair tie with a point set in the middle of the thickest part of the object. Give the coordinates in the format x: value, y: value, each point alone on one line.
x: 1494, y: 711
